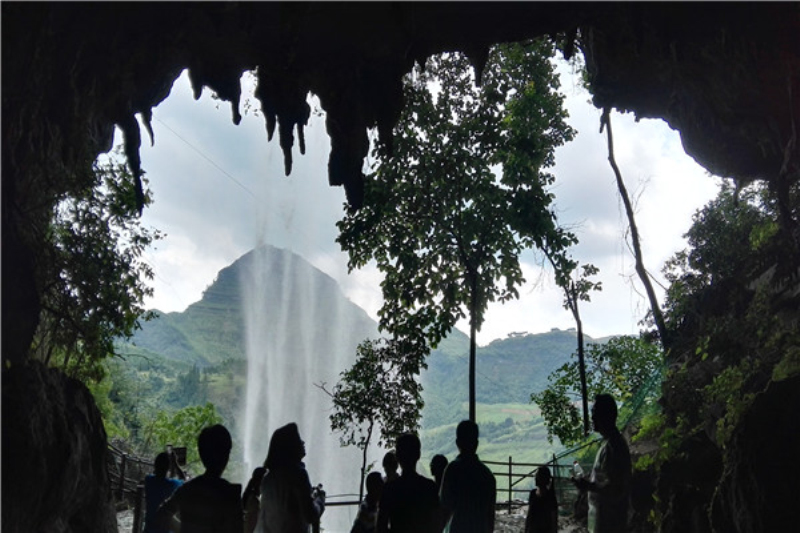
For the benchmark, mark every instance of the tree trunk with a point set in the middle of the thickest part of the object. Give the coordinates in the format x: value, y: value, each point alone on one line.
x: 472, y: 344
x: 364, y: 461
x: 581, y: 362
x: 605, y: 121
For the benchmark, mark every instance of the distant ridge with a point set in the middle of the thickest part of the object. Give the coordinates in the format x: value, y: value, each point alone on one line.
x: 212, y: 329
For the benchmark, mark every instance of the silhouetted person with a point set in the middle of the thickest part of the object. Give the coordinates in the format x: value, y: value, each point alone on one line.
x: 610, y: 480
x: 469, y: 490
x: 287, y: 502
x: 390, y: 467
x: 367, y: 519
x: 157, y: 488
x: 409, y: 503
x: 438, y: 464
x: 250, y: 499
x: 542, y: 505
x: 207, y: 503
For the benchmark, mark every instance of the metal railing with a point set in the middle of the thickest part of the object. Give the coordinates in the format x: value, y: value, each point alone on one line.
x: 511, y: 471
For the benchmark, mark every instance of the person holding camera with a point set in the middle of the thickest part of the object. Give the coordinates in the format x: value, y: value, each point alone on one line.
x: 158, y: 487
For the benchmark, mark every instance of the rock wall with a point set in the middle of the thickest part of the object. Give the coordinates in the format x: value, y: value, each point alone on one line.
x: 758, y: 489
x: 54, y: 475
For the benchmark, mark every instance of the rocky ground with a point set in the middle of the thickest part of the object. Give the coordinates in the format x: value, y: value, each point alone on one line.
x: 125, y: 521
x: 505, y: 522
x: 515, y: 522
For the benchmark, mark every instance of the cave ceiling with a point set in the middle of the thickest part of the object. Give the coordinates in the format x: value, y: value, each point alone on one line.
x: 724, y: 75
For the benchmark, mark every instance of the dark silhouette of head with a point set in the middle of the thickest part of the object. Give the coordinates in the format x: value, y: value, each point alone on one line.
x: 390, y: 463
x: 543, y: 477
x: 286, y: 448
x: 467, y: 436
x: 214, y: 446
x: 374, y: 483
x: 409, y: 450
x: 438, y: 464
x: 161, y: 464
x: 604, y: 414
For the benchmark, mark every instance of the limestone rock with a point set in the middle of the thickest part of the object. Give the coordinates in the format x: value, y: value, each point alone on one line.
x: 55, y: 477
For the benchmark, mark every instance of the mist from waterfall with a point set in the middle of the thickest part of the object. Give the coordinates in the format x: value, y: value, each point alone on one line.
x: 300, y: 330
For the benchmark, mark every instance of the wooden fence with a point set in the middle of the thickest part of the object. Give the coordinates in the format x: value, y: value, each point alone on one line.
x: 126, y: 473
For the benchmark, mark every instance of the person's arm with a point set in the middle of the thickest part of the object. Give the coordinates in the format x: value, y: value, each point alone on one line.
x: 310, y: 507
x: 165, y: 516
x: 447, y: 495
x: 180, y: 474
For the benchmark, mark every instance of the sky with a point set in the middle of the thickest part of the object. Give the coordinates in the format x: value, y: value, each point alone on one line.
x: 220, y: 190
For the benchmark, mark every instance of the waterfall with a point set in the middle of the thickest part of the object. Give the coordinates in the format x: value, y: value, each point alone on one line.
x: 300, y: 330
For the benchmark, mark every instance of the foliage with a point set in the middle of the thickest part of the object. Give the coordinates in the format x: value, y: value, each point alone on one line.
x: 619, y: 367
x: 112, y: 417
x: 436, y: 219
x: 92, y: 274
x: 189, y: 388
x: 380, y: 389
x: 654, y: 427
x: 182, y: 429
x: 727, y: 389
x: 731, y: 304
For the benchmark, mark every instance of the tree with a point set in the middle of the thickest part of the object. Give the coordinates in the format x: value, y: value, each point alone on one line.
x: 619, y: 367
x: 93, y: 279
x: 576, y: 289
x: 445, y: 230
x: 379, y: 390
x: 182, y: 428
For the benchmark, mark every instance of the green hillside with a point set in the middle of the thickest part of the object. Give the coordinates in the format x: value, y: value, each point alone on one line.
x: 508, y: 370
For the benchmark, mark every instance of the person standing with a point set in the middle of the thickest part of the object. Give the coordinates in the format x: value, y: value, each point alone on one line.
x: 158, y: 487
x: 367, y: 519
x: 542, y: 505
x: 469, y: 489
x: 390, y: 466
x: 608, y: 485
x: 409, y: 504
x: 288, y: 503
x: 207, y: 503
x: 438, y: 464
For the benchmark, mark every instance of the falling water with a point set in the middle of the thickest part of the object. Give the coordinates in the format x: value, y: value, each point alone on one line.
x: 300, y: 330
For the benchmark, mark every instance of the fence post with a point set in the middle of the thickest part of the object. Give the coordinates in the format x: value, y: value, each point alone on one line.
x: 509, y: 484
x: 121, y: 477
x: 560, y: 494
x: 137, y: 509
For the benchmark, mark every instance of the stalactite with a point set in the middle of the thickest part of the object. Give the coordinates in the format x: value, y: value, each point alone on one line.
x: 133, y: 141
